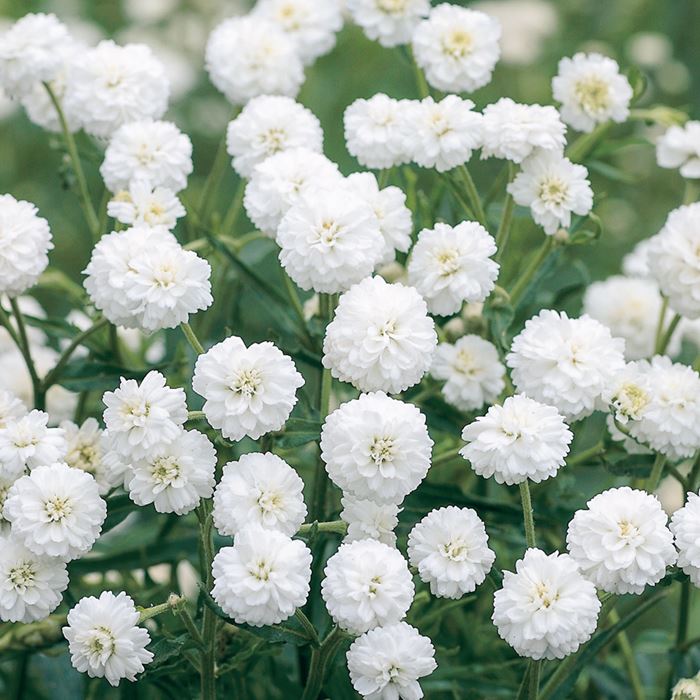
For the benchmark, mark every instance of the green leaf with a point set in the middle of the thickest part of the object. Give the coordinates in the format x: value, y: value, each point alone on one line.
x: 638, y: 466
x: 118, y: 508
x: 613, y: 173
x: 638, y: 80
x: 92, y: 375
x: 499, y: 313
x: 297, y: 432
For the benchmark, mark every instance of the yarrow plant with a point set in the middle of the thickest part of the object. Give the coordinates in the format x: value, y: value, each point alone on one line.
x: 312, y: 390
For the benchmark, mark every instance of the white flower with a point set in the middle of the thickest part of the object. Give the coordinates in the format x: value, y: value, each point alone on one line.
x: 621, y: 541
x: 155, y: 151
x: 636, y: 263
x: 554, y: 188
x: 472, y: 371
x: 685, y: 526
x: 104, y: 638
x: 386, y: 663
x: 449, y: 547
x: 630, y: 308
x: 376, y: 447
x: 390, y: 22
x: 11, y: 408
x: 450, y: 265
x: 565, y: 362
x: 251, y: 56
x: 56, y: 511
x: 687, y: 689
x: 546, y: 609
x: 260, y: 489
x: 629, y: 393
x: 278, y: 182
x: 247, y: 390
x: 329, y: 240
x: 112, y: 85
x: 27, y: 442
x: 375, y: 132
x: 269, y: 124
x: 674, y: 259
x: 679, y: 148
x: 441, y: 135
x: 457, y: 48
x: 522, y: 439
x: 310, y: 24
x: 25, y: 240
x: 144, y: 205
x: 143, y: 417
x: 263, y: 578
x: 175, y: 477
x: 514, y: 131
x: 367, y: 584
x: 369, y: 520
x: 381, y: 337
x: 30, y: 585
x: 591, y: 91
x: 30, y: 52
x: 5, y: 485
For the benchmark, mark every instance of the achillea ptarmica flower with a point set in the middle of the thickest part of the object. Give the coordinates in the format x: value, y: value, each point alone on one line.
x: 11, y: 408
x: 144, y: 205
x: 367, y: 584
x: 636, y: 262
x: 263, y: 578
x: 56, y: 511
x: 685, y: 526
x: 251, y: 56
x: 457, y: 48
x: 269, y: 124
x: 247, y: 390
x: 621, y: 541
x: 450, y: 265
x: 30, y: 585
x: 104, y: 638
x: 522, y: 439
x: 376, y: 447
x: 369, y: 520
x: 679, y: 148
x: 565, y: 362
x: 25, y: 240
x: 687, y: 689
x: 546, y: 609
x: 5, y: 486
x: 387, y: 662
x: 591, y: 91
x: 449, y: 547
x: 381, y: 338
x: 260, y: 489
x: 554, y: 188
x: 390, y: 22
x: 472, y: 371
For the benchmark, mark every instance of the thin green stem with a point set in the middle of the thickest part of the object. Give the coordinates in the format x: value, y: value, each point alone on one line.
x: 524, y: 280
x: 295, y: 301
x: 308, y: 627
x: 583, y: 456
x: 192, y: 338
x: 195, y: 415
x: 472, y: 195
x: 628, y: 658
x: 656, y: 471
x: 660, y: 324
x: 668, y: 334
x: 683, y: 614
x: 321, y: 661
x: 445, y: 457
x: 421, y: 83
x: 504, y: 227
x: 585, y: 143
x: 22, y: 341
x: 213, y: 181
x: 528, y: 515
x: 174, y: 603
x: 229, y: 223
x: 207, y: 660
x: 338, y: 527
x: 534, y: 679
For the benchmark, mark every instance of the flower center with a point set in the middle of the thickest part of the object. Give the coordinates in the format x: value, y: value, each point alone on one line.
x: 58, y: 508
x: 328, y: 232
x: 114, y: 77
x: 455, y: 550
x: 101, y: 643
x: 260, y: 570
x: 388, y: 329
x: 464, y: 363
x: 631, y: 400
x: 458, y: 43
x: 22, y: 575
x: 85, y: 456
x: 374, y: 585
x: 441, y: 126
x: 269, y: 501
x: 274, y: 140
x: 627, y: 529
x: 382, y: 450
x: 165, y: 276
x: 592, y: 93
x: 165, y: 470
x: 154, y: 213
x: 448, y: 262
x: 144, y: 154
x: 392, y: 6
x: 136, y: 409
x: 21, y: 442
x: 247, y: 382
x: 553, y: 190
x: 545, y: 596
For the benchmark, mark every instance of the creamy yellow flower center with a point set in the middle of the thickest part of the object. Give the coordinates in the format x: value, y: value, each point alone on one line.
x: 85, y: 456
x: 458, y: 43
x: 22, y: 575
x: 464, y: 363
x: 154, y: 214
x: 260, y: 570
x: 448, y: 261
x: 592, y: 93
x: 382, y: 450
x: 544, y: 596
x: 165, y: 470
x: 328, y: 232
x: 392, y: 6
x: 553, y: 190
x: 274, y: 140
x: 102, y: 642
x: 247, y: 381
x: 165, y: 276
x: 269, y: 501
x: 627, y: 529
x: 455, y: 550
x: 58, y: 508
x: 374, y: 585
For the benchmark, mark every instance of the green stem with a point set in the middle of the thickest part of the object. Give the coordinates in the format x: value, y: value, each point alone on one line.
x: 338, y: 527
x: 321, y: 661
x: 22, y: 341
x: 666, y: 337
x: 308, y: 627
x: 445, y: 457
x: 585, y: 143
x: 690, y: 193
x: 656, y: 471
x: 683, y: 614
x: 195, y: 415
x: 585, y: 455
x: 192, y: 338
x: 472, y: 195
x: 421, y: 83
x: 295, y: 301
x: 213, y: 181
x: 174, y: 603
x: 534, y: 679
x: 207, y: 665
x: 234, y: 210
x: 628, y: 658
x: 660, y: 324
x: 522, y: 282
x: 528, y: 515
x: 504, y: 228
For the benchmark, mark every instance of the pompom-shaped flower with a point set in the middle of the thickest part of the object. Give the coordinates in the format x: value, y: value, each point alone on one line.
x: 251, y: 56
x: 247, y: 390
x: 263, y: 578
x: 565, y: 362
x: 554, y: 188
x: 450, y: 549
x: 260, y: 489
x: 522, y: 439
x: 514, y: 131
x: 376, y: 447
x: 381, y: 337
x: 621, y: 541
x: 674, y: 259
x: 113, y: 85
x: 329, y: 240
x: 56, y: 511
x: 374, y: 131
x: 30, y: 585
x: 685, y: 526
x: 11, y: 408
x: 457, y: 48
x: 546, y: 609
x: 143, y: 417
x: 387, y: 662
x: 369, y: 520
x: 144, y: 205
x: 104, y: 638
x: 269, y: 124
x: 390, y: 22
x: 442, y: 135
x: 174, y: 477
x: 85, y: 450
x: 679, y: 148
x: 367, y: 584
x: 25, y: 240
x: 591, y: 91
x: 450, y: 265
x: 472, y: 371
x: 154, y: 151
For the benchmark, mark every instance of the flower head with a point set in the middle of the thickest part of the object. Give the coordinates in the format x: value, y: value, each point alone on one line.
x: 369, y: 520
x: 685, y: 526
x: 144, y: 205
x: 679, y: 148
x: 390, y: 22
